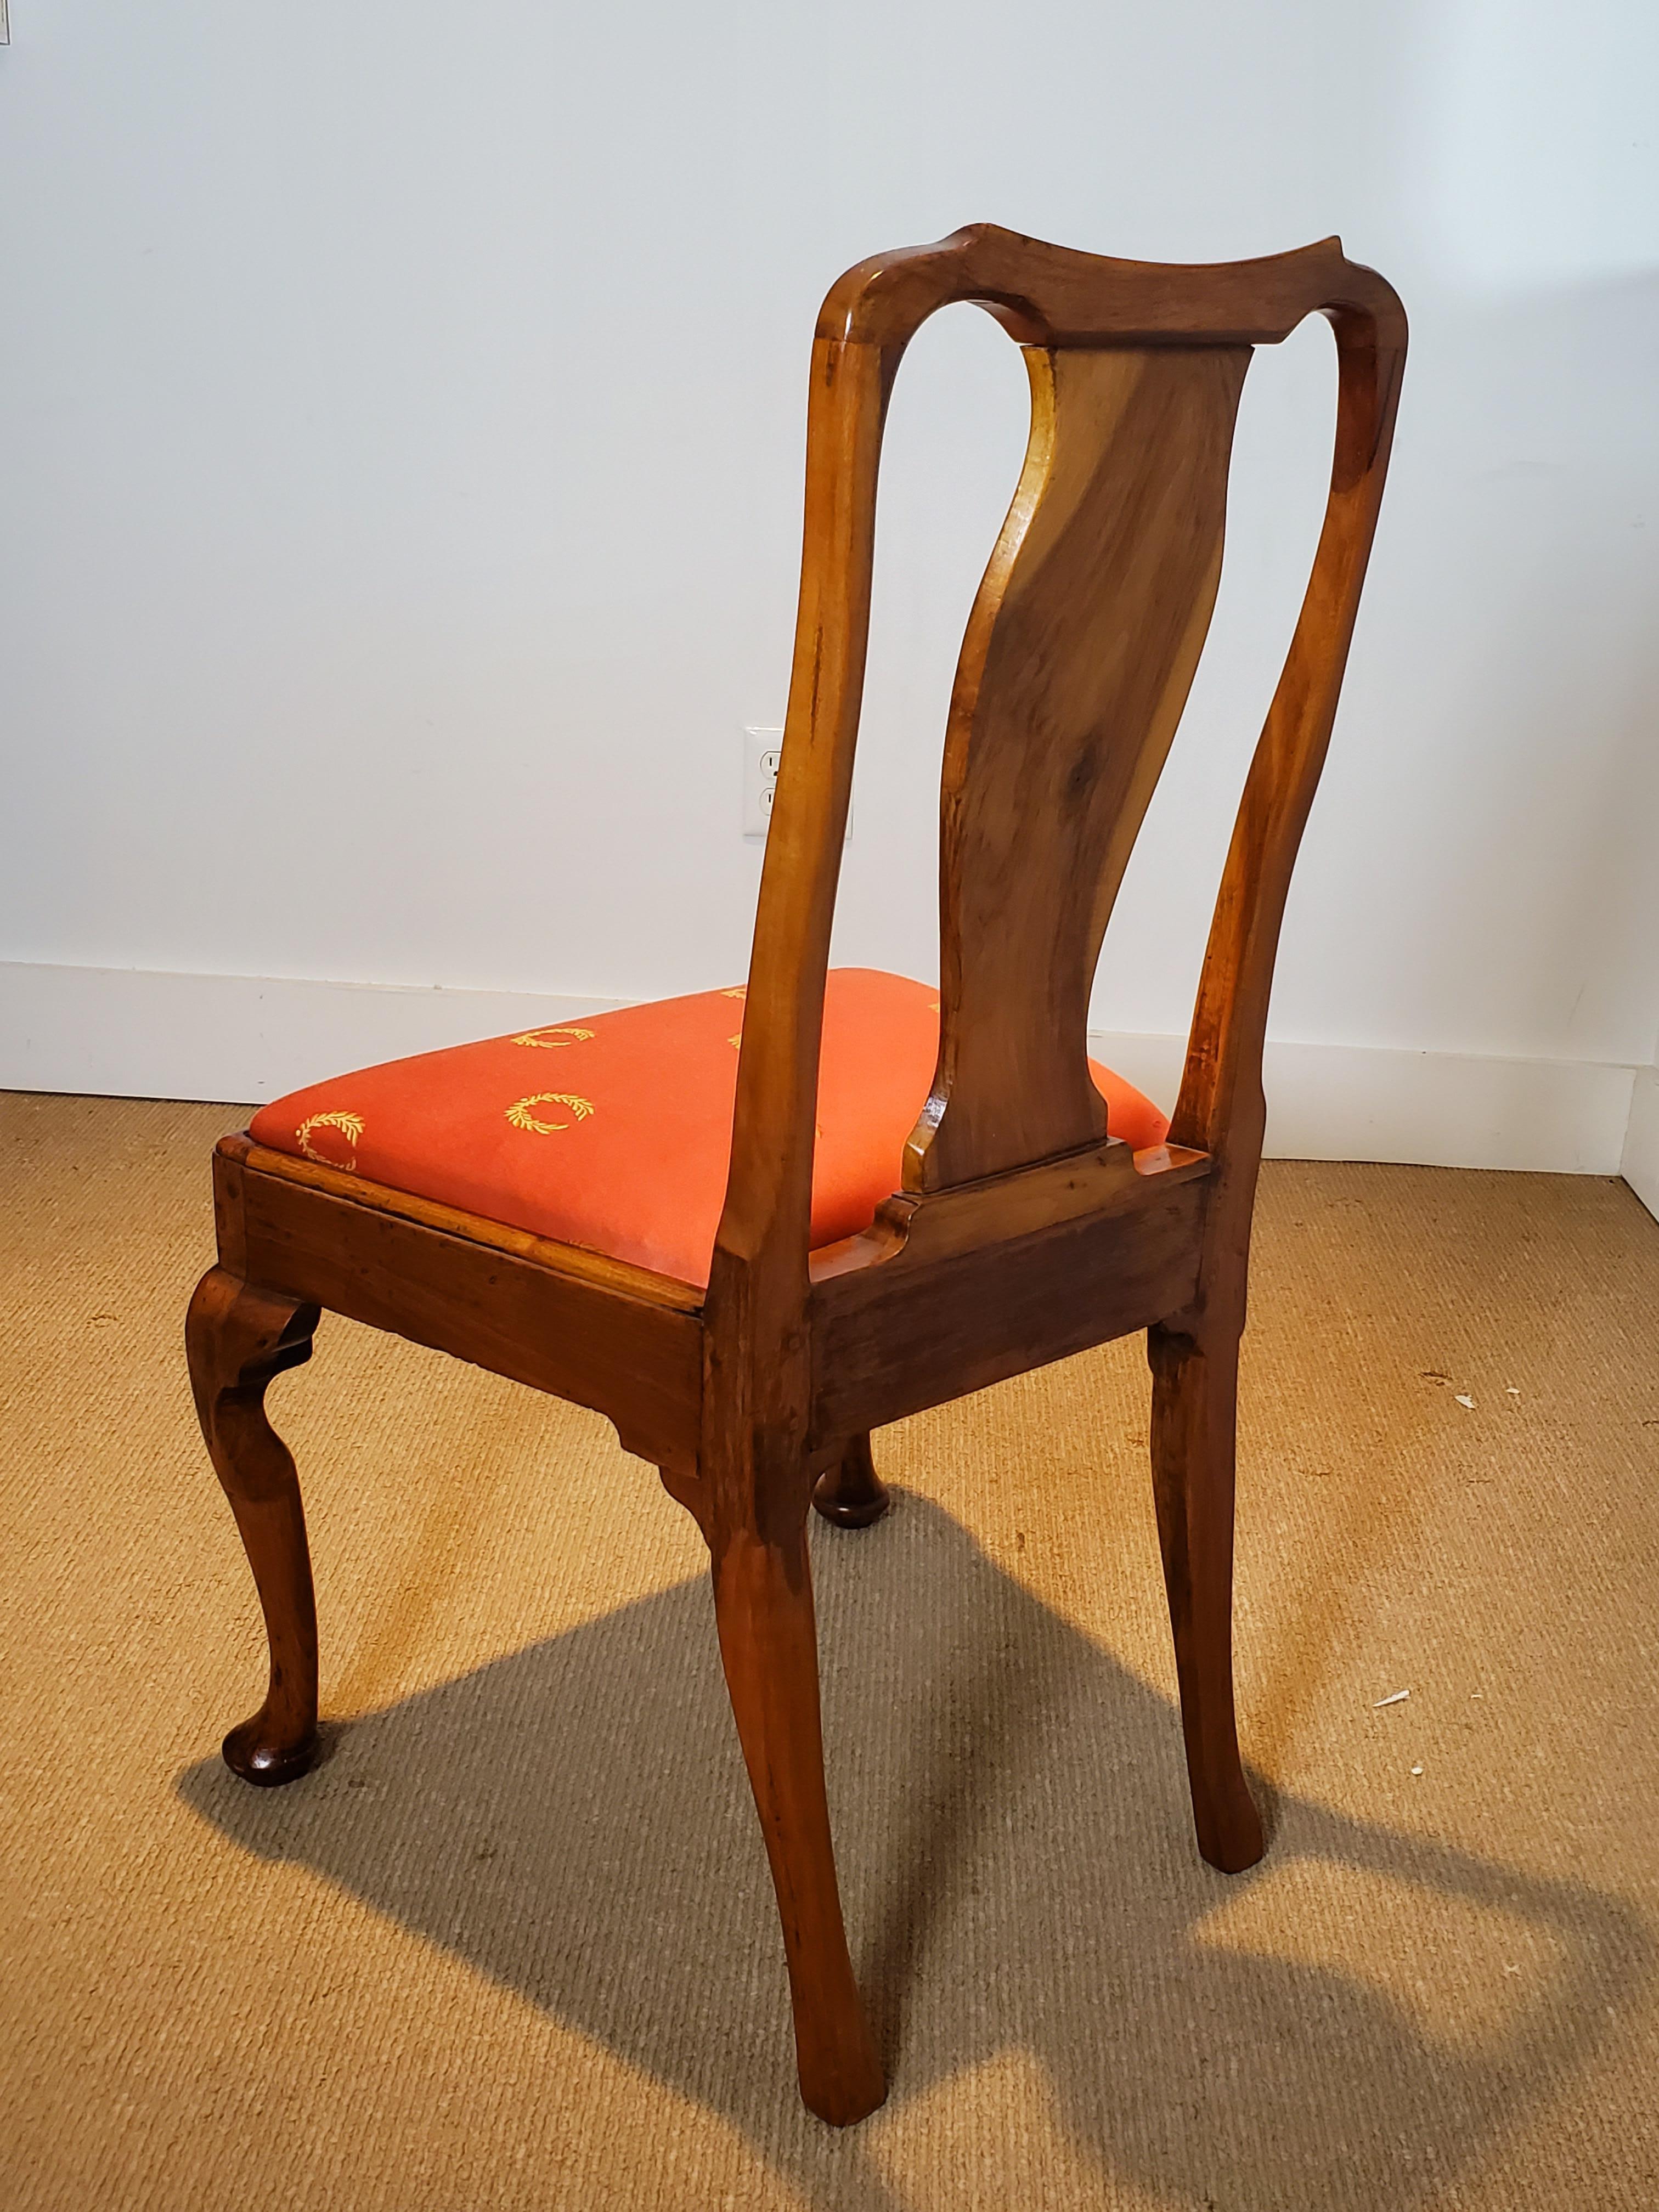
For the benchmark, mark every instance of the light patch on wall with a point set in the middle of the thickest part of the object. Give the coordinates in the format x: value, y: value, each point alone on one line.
x: 1541, y: 161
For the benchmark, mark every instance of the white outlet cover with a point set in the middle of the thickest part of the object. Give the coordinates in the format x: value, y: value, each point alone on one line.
x: 762, y: 750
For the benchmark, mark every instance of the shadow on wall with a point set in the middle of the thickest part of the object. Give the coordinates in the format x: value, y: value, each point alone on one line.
x: 1018, y: 1873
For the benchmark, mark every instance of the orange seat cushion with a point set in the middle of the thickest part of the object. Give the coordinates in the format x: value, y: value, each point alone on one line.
x: 615, y: 1132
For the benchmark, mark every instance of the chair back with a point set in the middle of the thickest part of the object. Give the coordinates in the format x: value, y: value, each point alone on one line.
x: 1079, y: 653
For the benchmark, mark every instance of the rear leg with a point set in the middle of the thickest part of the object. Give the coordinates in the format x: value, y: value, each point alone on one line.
x: 768, y: 1647
x: 236, y: 1338
x: 851, y: 1493
x: 1194, y: 1403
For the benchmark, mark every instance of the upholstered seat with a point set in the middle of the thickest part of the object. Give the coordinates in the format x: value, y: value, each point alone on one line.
x: 615, y: 1132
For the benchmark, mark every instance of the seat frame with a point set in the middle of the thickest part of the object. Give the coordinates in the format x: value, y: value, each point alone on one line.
x: 1022, y: 1233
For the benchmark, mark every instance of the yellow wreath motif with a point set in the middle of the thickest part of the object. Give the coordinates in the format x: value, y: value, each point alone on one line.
x: 350, y: 1126
x: 737, y: 990
x: 550, y: 1038
x: 521, y: 1117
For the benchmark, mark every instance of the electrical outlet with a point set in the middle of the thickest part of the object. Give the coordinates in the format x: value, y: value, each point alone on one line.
x: 762, y: 752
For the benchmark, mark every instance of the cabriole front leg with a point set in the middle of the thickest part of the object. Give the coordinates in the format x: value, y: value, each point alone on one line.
x: 237, y: 1338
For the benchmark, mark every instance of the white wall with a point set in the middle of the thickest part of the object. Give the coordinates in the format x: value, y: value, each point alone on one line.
x: 402, y: 411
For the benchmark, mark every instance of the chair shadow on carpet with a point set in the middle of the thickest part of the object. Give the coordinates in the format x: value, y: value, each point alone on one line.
x: 1018, y: 1873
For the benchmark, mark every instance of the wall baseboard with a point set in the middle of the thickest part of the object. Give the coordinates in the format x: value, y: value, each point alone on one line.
x: 243, y: 1039
x: 1441, y: 1109
x: 136, y: 1033
x: 1640, y: 1163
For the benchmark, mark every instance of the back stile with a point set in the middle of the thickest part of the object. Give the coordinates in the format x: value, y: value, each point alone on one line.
x: 782, y: 1012
x: 756, y: 1353
x: 1222, y: 1108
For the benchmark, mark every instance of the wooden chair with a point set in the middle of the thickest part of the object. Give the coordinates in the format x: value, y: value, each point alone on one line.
x: 1022, y: 1233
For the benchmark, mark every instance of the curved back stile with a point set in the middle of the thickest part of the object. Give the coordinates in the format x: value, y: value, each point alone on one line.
x: 1079, y: 652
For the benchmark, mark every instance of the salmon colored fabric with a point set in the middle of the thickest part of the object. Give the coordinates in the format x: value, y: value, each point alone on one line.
x: 616, y: 1131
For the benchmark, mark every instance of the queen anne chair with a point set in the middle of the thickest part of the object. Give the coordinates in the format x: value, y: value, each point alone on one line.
x: 858, y: 1197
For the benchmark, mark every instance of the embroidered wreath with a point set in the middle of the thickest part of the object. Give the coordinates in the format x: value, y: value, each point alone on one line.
x: 550, y: 1040
x: 350, y: 1126
x: 520, y: 1116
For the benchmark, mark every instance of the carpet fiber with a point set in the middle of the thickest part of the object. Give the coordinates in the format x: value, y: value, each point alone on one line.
x: 512, y: 1944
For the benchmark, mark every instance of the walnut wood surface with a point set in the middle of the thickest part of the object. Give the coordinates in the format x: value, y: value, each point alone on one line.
x: 1021, y: 1233
x: 576, y: 1333
x: 1080, y: 651
x: 1221, y: 1108
x: 1098, y: 1178
x: 891, y: 1340
x: 237, y: 1338
x: 573, y: 1262
x: 768, y: 1649
x: 1194, y: 1399
x: 1052, y: 296
x: 850, y: 1493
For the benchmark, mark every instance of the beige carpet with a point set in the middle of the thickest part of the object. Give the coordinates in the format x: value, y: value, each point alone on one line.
x: 512, y: 1946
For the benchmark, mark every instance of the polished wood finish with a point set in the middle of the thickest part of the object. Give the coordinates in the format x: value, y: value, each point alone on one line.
x: 768, y: 1649
x: 237, y: 1340
x: 1051, y: 295
x: 850, y: 1493
x: 1194, y: 1397
x: 1080, y: 651
x: 892, y: 1338
x: 605, y: 1334
x: 1021, y: 1233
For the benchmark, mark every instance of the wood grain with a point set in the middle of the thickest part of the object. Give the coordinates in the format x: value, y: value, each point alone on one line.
x: 891, y: 1340
x: 849, y: 1493
x: 574, y: 1261
x: 1221, y: 1108
x: 768, y: 1649
x: 237, y: 1340
x: 1080, y: 651
x: 636, y: 1361
x: 1195, y: 1407
x: 1053, y: 296
x: 1101, y: 1178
